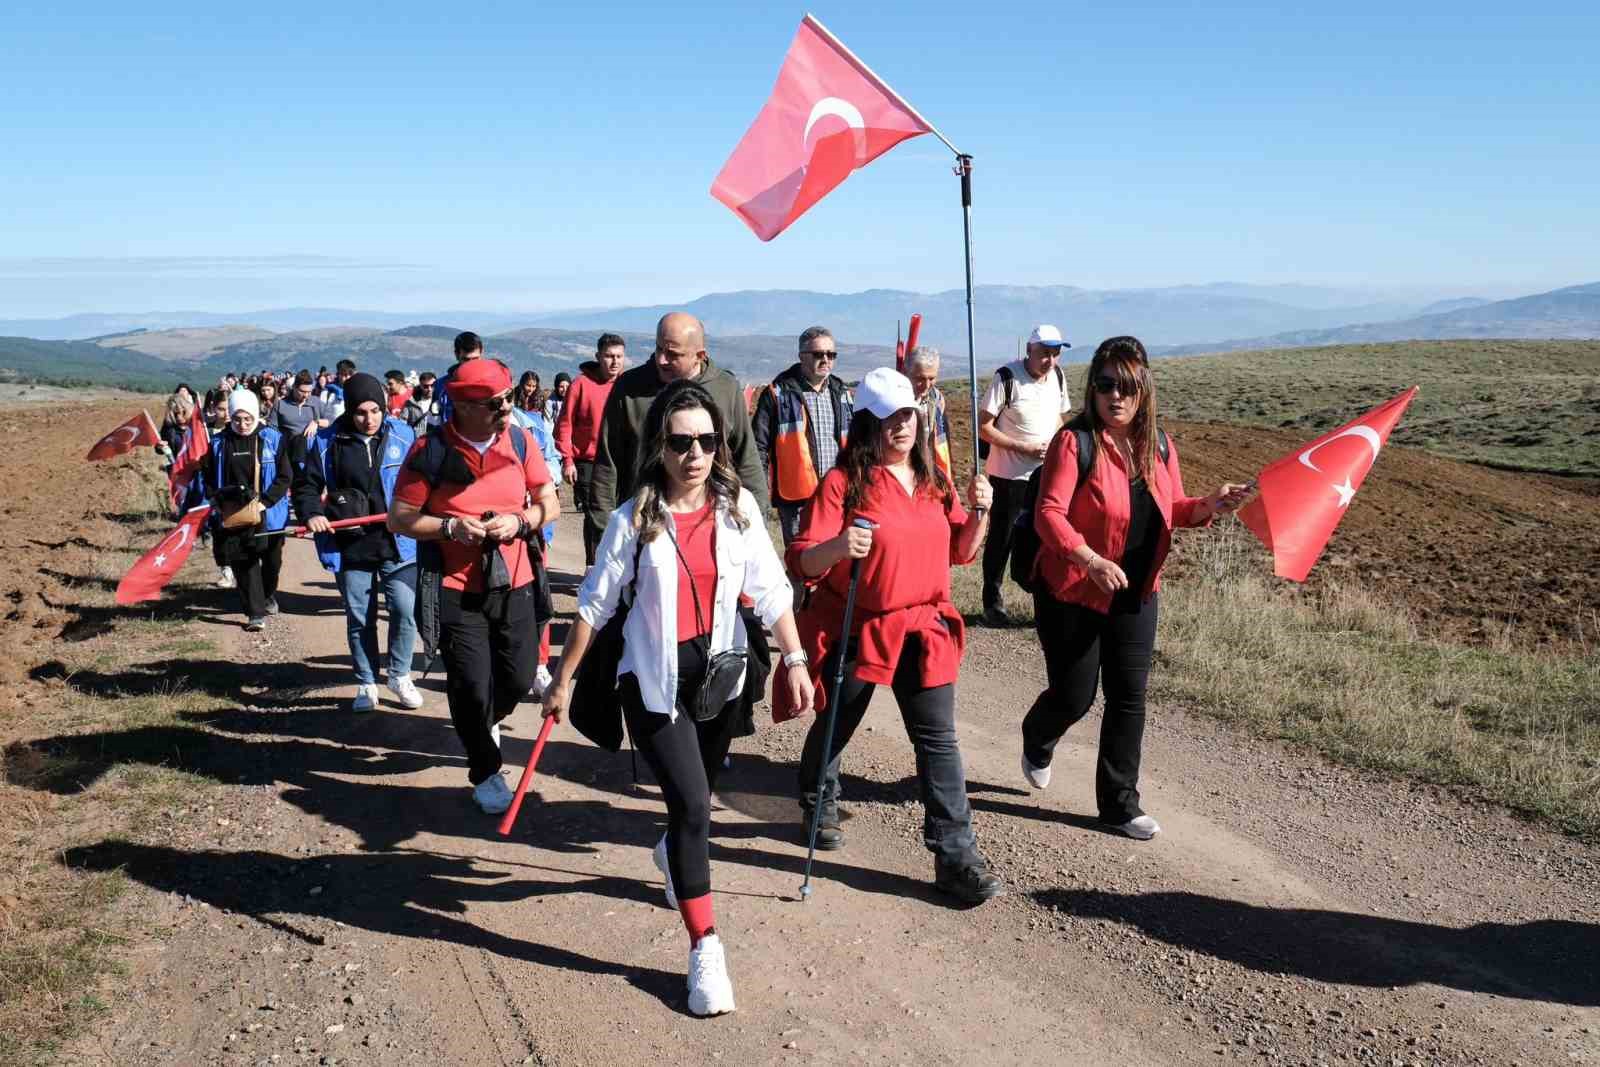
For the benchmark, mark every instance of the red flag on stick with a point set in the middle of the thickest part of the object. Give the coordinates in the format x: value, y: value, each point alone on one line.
x: 147, y: 577
x: 1303, y: 495
x: 186, y: 464
x: 139, y: 430
x: 828, y: 115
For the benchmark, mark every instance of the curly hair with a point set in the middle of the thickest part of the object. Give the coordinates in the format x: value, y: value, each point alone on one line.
x: 650, y: 507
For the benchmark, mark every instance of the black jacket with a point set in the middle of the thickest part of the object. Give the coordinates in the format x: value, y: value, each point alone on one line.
x: 354, y: 460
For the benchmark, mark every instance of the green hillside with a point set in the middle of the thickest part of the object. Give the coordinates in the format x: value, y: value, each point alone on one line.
x: 23, y: 359
x: 1522, y: 405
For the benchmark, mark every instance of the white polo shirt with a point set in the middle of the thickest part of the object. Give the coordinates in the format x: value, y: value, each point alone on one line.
x: 1033, y: 414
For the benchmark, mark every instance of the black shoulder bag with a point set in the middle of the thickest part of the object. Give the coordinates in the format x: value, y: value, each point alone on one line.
x: 724, y: 670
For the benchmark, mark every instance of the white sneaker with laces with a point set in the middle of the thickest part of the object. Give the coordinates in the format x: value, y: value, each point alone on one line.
x: 1038, y: 777
x: 1140, y: 828
x: 366, y: 698
x: 405, y: 691
x: 660, y: 856
x: 492, y: 794
x: 541, y: 682
x: 710, y: 991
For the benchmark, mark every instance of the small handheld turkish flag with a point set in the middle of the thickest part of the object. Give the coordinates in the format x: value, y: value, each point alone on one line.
x: 1304, y: 494
x: 186, y: 464
x: 147, y: 577
x: 139, y: 430
x: 828, y: 116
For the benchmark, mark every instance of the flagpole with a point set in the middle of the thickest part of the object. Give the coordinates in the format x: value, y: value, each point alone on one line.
x: 872, y: 76
x: 964, y: 169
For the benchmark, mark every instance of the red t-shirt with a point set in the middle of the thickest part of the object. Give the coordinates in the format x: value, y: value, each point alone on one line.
x: 501, y: 484
x: 397, y: 402
x: 697, y: 540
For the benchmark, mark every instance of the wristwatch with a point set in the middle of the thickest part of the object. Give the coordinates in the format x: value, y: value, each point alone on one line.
x: 797, y: 658
x: 449, y: 528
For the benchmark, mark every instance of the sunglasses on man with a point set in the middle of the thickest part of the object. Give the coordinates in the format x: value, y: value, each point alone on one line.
x: 680, y: 442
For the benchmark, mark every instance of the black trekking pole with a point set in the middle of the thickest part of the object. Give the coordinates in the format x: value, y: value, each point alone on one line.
x: 833, y: 711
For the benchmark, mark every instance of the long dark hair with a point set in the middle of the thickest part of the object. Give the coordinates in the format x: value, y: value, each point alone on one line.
x: 1125, y: 359
x: 529, y: 396
x: 649, y: 498
x: 864, y: 451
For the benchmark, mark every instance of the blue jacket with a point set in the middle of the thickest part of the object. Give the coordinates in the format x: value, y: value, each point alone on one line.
x: 535, y: 424
x: 277, y: 516
x: 397, y: 441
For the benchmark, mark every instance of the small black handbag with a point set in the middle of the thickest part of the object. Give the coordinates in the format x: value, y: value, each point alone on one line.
x: 724, y: 670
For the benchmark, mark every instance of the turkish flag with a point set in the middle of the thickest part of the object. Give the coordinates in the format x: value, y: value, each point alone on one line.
x: 1304, y: 494
x: 827, y: 116
x: 186, y: 464
x: 137, y: 431
x: 146, y: 578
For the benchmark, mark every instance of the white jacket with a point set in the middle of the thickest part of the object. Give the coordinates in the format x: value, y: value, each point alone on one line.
x: 746, y: 564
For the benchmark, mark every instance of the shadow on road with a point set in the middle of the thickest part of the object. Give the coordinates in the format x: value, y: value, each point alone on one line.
x: 1550, y: 960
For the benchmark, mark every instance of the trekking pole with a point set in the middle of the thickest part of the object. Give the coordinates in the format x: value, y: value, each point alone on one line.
x: 833, y: 711
x: 527, y: 777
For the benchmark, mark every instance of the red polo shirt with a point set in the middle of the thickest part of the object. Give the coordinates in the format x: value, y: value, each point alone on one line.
x: 501, y: 484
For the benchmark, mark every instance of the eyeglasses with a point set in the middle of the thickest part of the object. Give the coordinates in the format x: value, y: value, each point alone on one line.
x: 494, y: 403
x: 1105, y: 383
x: 680, y: 442
x: 821, y: 354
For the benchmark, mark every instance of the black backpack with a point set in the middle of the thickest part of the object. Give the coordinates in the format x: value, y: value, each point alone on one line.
x: 1024, y: 538
x: 1010, y: 381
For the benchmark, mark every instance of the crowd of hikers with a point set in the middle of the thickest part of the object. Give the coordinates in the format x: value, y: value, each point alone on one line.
x: 687, y: 606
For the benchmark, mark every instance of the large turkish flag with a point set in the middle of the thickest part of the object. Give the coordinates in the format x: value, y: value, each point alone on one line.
x: 827, y: 116
x: 147, y: 577
x: 1304, y: 494
x: 139, y: 430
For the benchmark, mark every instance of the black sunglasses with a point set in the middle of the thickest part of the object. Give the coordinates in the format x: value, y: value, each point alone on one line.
x: 494, y: 403
x: 680, y: 442
x: 821, y: 355
x: 1105, y: 383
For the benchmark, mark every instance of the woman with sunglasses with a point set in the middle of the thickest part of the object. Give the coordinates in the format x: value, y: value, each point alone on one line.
x: 683, y: 551
x: 1103, y: 541
x: 905, y: 633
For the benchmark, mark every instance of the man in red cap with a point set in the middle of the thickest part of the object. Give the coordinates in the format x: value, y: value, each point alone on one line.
x: 477, y: 498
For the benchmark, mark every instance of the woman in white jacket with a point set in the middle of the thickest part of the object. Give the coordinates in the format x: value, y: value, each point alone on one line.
x: 688, y: 545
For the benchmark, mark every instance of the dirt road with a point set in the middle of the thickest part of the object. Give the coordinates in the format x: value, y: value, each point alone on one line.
x: 343, y: 902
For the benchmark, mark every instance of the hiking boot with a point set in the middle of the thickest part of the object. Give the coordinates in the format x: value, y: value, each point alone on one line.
x: 366, y: 698
x: 272, y: 605
x: 255, y: 624
x: 1140, y: 827
x: 710, y: 990
x: 660, y: 858
x: 405, y: 691
x: 972, y: 884
x: 492, y: 794
x: 829, y: 837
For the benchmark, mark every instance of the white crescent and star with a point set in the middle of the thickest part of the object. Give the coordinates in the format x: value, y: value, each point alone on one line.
x: 1346, y: 491
x: 131, y: 431
x: 844, y: 109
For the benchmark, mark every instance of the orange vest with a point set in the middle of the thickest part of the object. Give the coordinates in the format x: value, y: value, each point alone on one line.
x: 794, y: 475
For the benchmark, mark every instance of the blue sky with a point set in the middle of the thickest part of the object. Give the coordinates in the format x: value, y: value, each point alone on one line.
x: 529, y: 156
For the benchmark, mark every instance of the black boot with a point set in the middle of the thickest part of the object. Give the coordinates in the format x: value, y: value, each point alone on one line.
x: 829, y: 837
x: 972, y: 884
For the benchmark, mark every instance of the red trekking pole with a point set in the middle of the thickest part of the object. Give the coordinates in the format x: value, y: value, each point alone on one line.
x: 527, y: 778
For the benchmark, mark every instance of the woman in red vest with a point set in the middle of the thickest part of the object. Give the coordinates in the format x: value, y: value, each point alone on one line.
x: 905, y: 632
x: 1101, y: 549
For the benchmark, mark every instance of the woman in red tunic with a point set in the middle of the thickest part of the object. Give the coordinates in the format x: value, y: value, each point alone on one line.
x: 905, y: 632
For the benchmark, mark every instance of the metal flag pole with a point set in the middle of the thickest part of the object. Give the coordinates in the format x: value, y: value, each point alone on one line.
x: 964, y: 170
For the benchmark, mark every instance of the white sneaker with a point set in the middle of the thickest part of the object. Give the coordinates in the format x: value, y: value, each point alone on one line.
x: 1038, y: 777
x: 405, y: 691
x: 1140, y: 828
x: 541, y: 682
x: 225, y: 578
x: 493, y: 795
x: 366, y: 698
x: 660, y: 856
x: 494, y: 734
x: 710, y: 991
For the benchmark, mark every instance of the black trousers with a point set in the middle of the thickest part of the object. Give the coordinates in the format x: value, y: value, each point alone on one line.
x: 1008, y: 494
x: 930, y: 720
x: 256, y: 563
x: 685, y: 757
x: 1080, y: 646
x: 582, y: 489
x: 490, y: 643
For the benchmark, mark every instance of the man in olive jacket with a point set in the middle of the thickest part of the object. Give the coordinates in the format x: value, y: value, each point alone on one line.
x: 680, y: 353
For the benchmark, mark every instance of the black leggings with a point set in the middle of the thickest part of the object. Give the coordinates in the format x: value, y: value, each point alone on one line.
x: 685, y: 757
x: 1081, y: 646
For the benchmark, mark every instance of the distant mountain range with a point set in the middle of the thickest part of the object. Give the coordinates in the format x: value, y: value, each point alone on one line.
x: 753, y: 333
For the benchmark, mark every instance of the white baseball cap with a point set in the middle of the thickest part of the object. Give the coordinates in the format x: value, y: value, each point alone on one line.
x: 1046, y: 334
x: 885, y: 391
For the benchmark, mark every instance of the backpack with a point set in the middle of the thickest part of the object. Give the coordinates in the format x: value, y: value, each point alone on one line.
x: 1024, y: 538
x: 430, y: 462
x: 1010, y: 380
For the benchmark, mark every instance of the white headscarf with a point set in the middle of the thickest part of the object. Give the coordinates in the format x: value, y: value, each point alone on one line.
x: 244, y: 400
